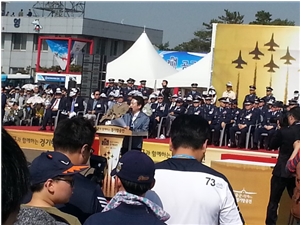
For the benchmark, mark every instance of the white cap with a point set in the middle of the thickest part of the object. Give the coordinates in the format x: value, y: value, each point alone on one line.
x: 229, y: 84
x: 58, y: 91
x: 103, y: 95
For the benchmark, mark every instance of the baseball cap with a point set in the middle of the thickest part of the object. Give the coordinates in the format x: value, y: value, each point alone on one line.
x: 52, y: 164
x: 136, y: 167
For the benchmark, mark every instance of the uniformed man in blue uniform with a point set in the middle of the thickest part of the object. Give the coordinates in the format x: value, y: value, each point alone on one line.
x: 130, y: 87
x: 221, y: 117
x: 143, y: 89
x: 160, y: 109
x: 269, y: 95
x: 195, y: 109
x: 120, y: 86
x: 246, y: 118
x: 175, y: 111
x: 111, y: 87
x: 193, y: 93
x: 251, y: 97
x: 208, y: 108
x: 268, y: 125
x: 173, y: 102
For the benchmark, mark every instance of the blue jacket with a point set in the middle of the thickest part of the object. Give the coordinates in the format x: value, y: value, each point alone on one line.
x: 126, y: 215
x: 247, y: 117
x: 140, y: 124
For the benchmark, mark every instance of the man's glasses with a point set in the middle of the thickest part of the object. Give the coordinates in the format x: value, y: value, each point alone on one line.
x: 160, y: 98
x: 97, y: 94
x: 69, y: 180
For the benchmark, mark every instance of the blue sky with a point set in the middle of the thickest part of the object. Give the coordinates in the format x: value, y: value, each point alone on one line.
x: 178, y: 20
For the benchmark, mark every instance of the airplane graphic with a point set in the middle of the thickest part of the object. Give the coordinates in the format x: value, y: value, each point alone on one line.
x: 239, y: 61
x: 271, y: 44
x: 243, y: 191
x: 271, y: 65
x: 287, y: 57
x: 256, y: 52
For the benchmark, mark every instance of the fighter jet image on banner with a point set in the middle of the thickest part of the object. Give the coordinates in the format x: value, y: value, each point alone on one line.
x: 239, y: 61
x: 271, y: 65
x: 271, y: 44
x: 287, y: 57
x: 256, y: 52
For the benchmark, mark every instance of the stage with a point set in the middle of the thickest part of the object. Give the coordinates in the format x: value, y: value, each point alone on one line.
x: 29, y: 137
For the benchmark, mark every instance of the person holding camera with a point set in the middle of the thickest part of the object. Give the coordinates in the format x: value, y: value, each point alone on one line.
x: 134, y: 176
x: 74, y: 138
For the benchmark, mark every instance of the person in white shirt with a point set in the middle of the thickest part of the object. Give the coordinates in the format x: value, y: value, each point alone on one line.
x: 229, y: 93
x: 203, y: 195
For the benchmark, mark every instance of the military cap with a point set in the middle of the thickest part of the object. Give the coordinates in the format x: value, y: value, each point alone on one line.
x: 269, y: 89
x: 252, y: 87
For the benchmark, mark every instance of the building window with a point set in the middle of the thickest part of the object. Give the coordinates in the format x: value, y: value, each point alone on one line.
x: 114, y: 45
x: 35, y: 43
x: 2, y: 40
x: 14, y: 70
x: 19, y: 41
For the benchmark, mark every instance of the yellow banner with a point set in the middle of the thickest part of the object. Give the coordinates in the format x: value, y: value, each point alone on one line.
x: 257, y: 55
x: 32, y: 140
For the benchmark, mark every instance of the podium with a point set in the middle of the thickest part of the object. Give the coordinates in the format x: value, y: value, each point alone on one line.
x: 110, y: 143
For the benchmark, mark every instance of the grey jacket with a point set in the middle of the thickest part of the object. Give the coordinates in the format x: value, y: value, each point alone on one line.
x: 35, y: 216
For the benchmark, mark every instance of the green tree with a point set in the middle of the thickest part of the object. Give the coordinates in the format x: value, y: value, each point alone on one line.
x: 164, y: 47
x: 202, y: 38
x: 265, y: 18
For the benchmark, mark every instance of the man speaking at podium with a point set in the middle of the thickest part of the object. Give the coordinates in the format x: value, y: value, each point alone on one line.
x: 136, y: 121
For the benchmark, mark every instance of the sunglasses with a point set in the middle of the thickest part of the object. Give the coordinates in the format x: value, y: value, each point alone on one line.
x: 69, y: 180
x: 160, y: 98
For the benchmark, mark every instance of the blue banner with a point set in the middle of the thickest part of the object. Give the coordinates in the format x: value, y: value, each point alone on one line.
x: 180, y: 60
x: 46, y: 78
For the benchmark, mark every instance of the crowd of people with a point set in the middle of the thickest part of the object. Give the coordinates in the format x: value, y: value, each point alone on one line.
x: 259, y: 117
x: 52, y: 189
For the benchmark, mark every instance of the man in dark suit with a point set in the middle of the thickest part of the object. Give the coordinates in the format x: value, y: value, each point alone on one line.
x: 283, y: 139
x: 165, y: 91
x: 175, y: 111
x: 95, y: 106
x: 136, y: 121
x: 58, y: 103
x: 75, y: 103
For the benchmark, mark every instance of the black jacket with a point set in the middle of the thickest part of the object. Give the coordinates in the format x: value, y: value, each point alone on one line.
x: 284, y: 139
x: 78, y: 105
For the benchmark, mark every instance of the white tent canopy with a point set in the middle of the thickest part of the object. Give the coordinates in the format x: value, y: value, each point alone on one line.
x: 140, y: 62
x: 199, y: 73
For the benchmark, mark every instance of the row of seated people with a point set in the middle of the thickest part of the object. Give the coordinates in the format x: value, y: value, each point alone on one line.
x: 100, y: 109
x: 255, y: 119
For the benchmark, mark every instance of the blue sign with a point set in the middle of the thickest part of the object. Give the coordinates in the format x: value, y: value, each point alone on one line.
x: 46, y: 78
x: 180, y: 60
x: 3, y: 77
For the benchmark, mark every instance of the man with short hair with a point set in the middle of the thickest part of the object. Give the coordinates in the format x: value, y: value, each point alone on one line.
x: 14, y: 176
x: 95, y: 106
x: 136, y: 121
x: 134, y: 176
x: 215, y: 203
